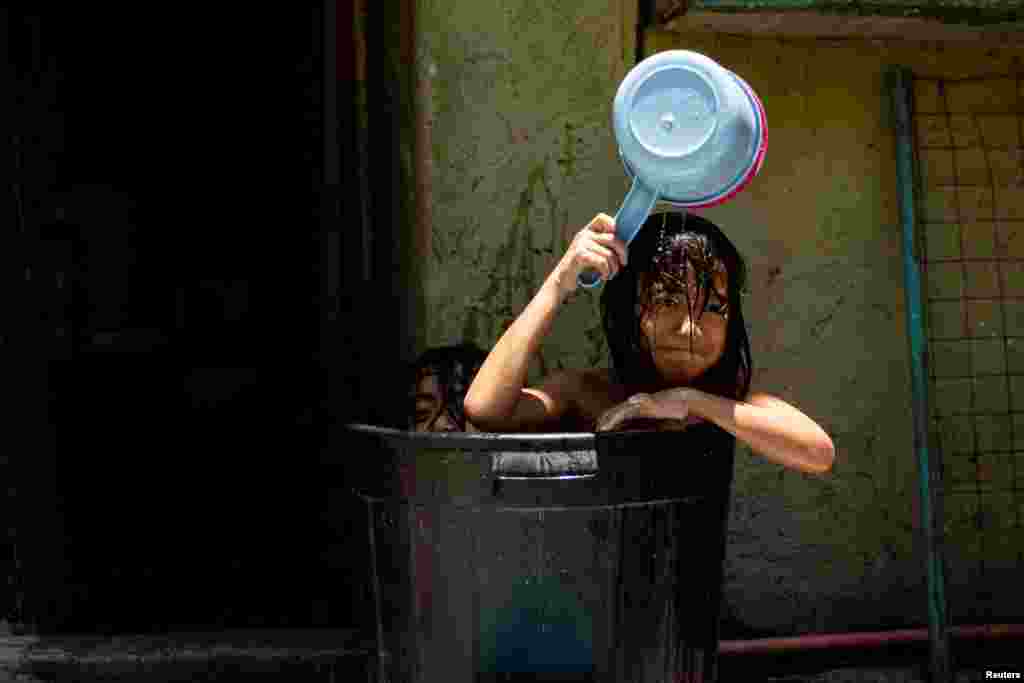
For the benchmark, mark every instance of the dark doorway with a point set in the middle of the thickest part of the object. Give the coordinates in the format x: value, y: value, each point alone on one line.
x: 173, y: 343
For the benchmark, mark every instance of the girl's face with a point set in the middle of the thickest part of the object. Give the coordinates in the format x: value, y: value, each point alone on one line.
x: 430, y: 414
x: 686, y: 335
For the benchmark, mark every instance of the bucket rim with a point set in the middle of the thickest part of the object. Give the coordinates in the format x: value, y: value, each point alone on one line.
x: 483, y: 441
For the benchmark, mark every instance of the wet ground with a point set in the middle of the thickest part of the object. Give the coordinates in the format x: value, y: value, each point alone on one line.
x: 331, y: 656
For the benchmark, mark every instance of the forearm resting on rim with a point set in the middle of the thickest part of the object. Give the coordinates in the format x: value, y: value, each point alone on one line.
x: 770, y: 426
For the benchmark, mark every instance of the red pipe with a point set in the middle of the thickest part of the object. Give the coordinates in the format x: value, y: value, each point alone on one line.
x: 863, y: 640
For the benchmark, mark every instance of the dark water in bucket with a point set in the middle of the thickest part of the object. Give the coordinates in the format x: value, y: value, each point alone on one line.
x: 568, y: 557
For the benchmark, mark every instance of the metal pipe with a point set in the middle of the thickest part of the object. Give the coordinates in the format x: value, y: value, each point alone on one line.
x: 928, y: 466
x: 862, y: 640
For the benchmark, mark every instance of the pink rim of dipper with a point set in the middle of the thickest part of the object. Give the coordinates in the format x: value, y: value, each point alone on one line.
x: 758, y: 161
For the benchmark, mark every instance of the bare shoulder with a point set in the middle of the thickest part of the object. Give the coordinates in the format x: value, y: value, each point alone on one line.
x: 598, y: 392
x: 564, y: 381
x: 588, y: 391
x: 596, y: 378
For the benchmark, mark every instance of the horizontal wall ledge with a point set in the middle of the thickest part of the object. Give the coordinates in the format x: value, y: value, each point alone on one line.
x: 770, y: 20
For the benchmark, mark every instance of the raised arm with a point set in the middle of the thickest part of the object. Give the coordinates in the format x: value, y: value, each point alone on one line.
x: 498, y: 399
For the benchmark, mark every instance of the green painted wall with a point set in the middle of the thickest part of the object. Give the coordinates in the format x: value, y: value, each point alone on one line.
x: 524, y: 156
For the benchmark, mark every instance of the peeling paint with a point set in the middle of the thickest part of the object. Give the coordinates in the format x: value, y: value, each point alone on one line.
x: 567, y: 161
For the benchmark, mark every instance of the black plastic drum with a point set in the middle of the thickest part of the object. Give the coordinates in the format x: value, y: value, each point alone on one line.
x: 555, y: 557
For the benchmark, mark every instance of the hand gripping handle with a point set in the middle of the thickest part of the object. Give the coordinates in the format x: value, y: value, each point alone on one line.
x: 631, y: 215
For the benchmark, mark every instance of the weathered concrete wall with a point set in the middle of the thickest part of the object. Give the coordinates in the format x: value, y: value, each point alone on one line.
x: 821, y: 232
x: 524, y: 156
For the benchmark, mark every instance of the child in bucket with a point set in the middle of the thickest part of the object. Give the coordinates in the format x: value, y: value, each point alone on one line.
x: 679, y: 348
x: 440, y: 378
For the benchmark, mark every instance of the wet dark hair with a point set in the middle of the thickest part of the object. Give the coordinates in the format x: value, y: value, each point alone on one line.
x: 455, y: 367
x: 666, y: 246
